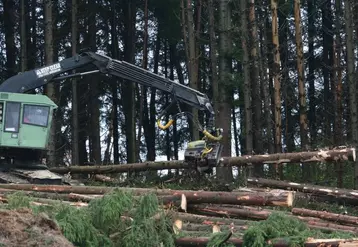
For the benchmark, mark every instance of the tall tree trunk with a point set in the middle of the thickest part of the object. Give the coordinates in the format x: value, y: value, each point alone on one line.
x: 301, y: 85
x: 143, y: 90
x: 338, y: 125
x: 276, y: 76
x: 75, y: 126
x: 50, y: 88
x: 192, y: 55
x: 311, y: 77
x: 247, y: 86
x: 213, y: 58
x: 94, y: 92
x: 115, y: 101
x: 9, y: 28
x: 23, y: 32
x: 351, y: 79
x: 265, y: 83
x: 327, y: 64
x: 255, y: 82
x: 128, y: 88
x: 286, y: 82
x: 225, y: 67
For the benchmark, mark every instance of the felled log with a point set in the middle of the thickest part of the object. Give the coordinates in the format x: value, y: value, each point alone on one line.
x: 256, y: 214
x: 329, y: 193
x: 203, y: 241
x: 282, y: 198
x: 229, y: 212
x: 179, y: 226
x: 206, y: 220
x: 302, y: 157
x: 323, y: 225
x: 344, y: 219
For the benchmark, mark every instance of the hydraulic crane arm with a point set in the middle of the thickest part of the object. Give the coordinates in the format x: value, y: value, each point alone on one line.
x: 91, y: 62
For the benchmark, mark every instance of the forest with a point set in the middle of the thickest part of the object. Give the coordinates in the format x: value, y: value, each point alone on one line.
x: 281, y: 75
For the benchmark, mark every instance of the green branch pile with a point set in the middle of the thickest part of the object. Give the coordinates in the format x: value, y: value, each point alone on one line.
x: 117, y: 219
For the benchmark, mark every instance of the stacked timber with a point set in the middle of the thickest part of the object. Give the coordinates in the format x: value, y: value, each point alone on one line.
x: 212, y: 211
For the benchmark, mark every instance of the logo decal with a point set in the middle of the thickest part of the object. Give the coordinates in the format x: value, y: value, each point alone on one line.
x: 45, y: 71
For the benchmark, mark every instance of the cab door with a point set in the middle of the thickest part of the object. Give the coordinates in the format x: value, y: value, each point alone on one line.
x: 11, y: 124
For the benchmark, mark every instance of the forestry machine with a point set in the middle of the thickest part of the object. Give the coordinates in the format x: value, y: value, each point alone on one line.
x: 25, y: 119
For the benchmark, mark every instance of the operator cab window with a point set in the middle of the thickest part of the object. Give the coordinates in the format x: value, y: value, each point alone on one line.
x: 12, y: 117
x: 36, y: 115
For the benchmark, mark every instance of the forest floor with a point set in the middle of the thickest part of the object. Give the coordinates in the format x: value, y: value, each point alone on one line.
x: 22, y: 228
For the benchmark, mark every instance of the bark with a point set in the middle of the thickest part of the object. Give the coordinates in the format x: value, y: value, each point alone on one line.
x: 327, y: 192
x: 276, y: 76
x: 300, y: 157
x: 339, y: 218
x: 75, y: 126
x: 250, y: 198
x: 203, y: 241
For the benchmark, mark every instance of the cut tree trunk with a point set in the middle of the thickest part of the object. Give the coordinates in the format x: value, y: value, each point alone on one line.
x: 206, y: 220
x: 322, y: 225
x: 276, y: 198
x: 329, y: 193
x: 257, y: 214
x: 229, y: 212
x: 278, y: 158
x: 344, y: 219
x: 194, y: 227
x: 203, y: 241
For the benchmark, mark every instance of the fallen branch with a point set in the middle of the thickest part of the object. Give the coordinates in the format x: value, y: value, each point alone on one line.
x: 276, y: 198
x: 315, y: 190
x: 299, y: 157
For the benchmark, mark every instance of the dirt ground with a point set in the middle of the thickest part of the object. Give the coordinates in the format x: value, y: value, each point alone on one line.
x: 22, y: 228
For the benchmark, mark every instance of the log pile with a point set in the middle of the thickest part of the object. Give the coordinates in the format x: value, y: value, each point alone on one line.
x: 203, y: 212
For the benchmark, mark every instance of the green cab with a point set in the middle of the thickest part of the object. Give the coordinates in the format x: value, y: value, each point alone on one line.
x: 25, y: 120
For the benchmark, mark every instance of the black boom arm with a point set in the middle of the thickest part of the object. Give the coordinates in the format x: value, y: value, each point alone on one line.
x: 92, y: 62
